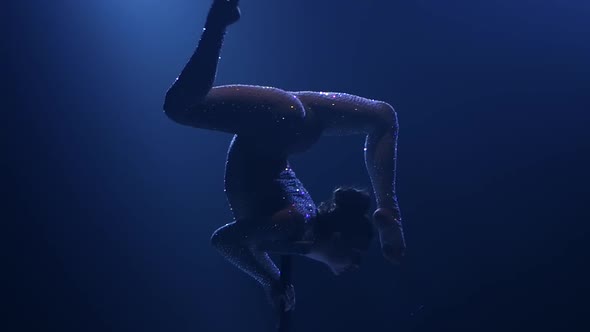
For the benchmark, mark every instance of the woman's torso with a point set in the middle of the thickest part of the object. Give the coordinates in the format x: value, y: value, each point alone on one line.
x: 259, y: 181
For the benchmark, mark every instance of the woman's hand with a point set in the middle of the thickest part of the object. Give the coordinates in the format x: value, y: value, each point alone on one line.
x: 391, y: 235
x: 281, y: 296
x: 223, y: 13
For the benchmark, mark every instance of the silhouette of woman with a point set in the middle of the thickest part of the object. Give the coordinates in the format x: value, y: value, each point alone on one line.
x: 273, y: 213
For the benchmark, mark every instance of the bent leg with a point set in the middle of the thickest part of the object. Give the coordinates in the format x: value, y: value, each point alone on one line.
x: 238, y: 109
x: 244, y: 110
x: 228, y: 240
x: 238, y: 243
x: 344, y: 114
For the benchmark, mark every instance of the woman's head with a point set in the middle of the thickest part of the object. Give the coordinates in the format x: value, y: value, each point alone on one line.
x: 346, y: 215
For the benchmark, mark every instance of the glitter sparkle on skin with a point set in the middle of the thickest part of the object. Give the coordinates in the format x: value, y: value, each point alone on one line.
x: 267, y: 125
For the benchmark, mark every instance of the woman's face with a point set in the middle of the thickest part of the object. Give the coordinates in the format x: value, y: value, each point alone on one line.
x: 339, y: 253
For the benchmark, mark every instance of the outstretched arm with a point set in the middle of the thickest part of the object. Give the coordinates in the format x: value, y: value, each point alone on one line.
x: 344, y: 114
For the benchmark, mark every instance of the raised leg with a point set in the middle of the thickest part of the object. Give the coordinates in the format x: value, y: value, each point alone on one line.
x: 239, y: 109
x: 234, y: 242
x: 345, y: 114
x: 240, y: 243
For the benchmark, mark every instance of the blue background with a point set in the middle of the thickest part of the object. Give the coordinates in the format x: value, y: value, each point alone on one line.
x: 110, y: 204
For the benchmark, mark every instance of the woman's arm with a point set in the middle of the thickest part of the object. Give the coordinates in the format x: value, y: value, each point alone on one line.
x: 344, y: 114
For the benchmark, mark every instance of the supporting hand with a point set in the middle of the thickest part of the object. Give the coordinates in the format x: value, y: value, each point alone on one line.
x: 281, y: 296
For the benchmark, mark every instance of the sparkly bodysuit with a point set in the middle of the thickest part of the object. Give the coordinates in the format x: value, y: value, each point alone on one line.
x: 269, y: 124
x: 258, y: 183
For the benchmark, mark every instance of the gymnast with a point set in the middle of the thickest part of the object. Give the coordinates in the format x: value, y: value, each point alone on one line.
x: 273, y: 212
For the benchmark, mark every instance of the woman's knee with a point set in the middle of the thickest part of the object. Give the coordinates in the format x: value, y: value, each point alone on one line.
x: 385, y: 117
x: 178, y: 104
x: 174, y: 106
x: 221, y: 237
x: 231, y: 234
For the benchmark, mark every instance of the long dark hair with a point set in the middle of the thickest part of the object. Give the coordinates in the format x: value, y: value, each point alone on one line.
x: 346, y: 213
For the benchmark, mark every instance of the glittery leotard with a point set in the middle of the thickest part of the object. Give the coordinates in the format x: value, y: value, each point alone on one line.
x: 259, y: 184
x: 270, y: 124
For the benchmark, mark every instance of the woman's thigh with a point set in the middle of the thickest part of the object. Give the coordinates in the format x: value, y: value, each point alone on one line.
x: 252, y: 231
x: 247, y: 110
